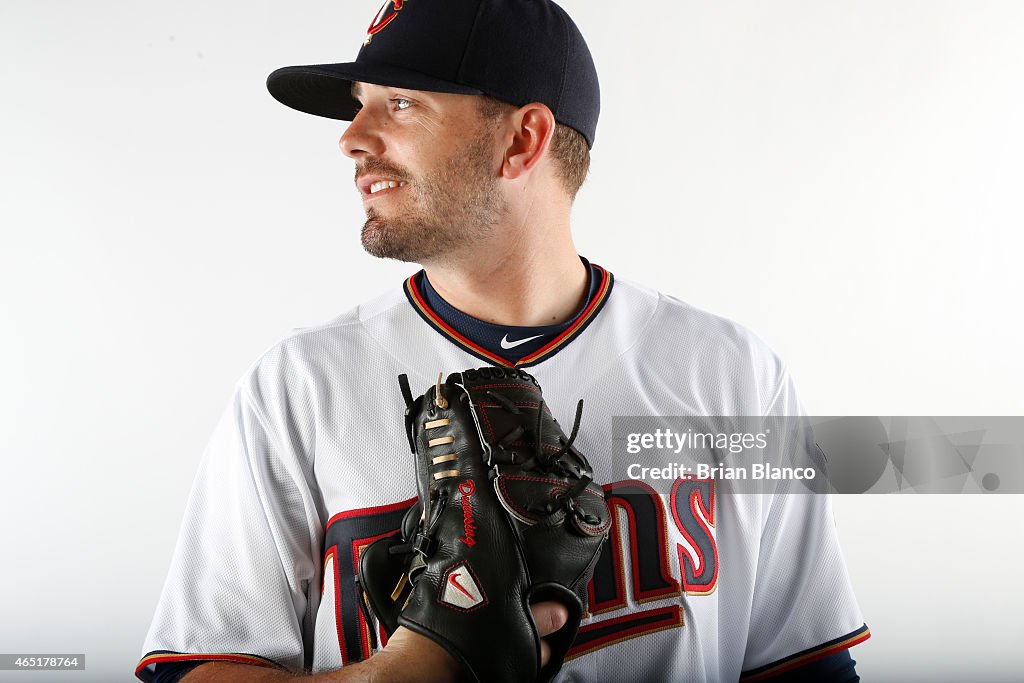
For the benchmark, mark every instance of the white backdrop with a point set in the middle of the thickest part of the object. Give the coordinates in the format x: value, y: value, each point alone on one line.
x: 842, y: 177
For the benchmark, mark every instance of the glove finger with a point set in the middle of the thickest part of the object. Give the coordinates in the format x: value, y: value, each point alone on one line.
x: 379, y: 574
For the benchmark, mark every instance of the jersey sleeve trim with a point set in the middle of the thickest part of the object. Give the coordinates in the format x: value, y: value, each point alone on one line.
x: 143, y: 673
x: 807, y: 656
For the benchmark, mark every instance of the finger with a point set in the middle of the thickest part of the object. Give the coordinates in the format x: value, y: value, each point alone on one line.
x: 545, y: 653
x: 549, y: 616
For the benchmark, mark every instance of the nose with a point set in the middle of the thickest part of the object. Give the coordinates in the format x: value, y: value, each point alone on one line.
x: 362, y: 137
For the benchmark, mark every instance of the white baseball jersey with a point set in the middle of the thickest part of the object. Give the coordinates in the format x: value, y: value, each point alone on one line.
x: 310, y: 463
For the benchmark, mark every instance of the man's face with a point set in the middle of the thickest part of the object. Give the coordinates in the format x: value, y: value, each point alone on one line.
x: 427, y: 168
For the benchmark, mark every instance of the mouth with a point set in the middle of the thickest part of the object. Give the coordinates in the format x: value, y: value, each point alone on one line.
x: 375, y: 186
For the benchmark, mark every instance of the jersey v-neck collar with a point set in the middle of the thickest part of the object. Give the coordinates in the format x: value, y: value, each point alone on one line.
x: 448, y: 327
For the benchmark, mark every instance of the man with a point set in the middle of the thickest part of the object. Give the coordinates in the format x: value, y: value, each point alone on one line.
x: 471, y: 123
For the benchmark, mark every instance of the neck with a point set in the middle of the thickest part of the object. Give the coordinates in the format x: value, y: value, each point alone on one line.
x: 521, y: 281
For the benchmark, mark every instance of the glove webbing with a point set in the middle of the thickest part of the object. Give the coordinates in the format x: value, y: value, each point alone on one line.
x: 557, y: 462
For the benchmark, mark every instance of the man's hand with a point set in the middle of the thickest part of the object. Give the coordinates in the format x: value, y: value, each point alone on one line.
x: 406, y: 646
x: 408, y: 658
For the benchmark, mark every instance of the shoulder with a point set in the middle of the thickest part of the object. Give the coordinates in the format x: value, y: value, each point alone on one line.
x: 305, y: 357
x: 678, y: 324
x: 707, y: 348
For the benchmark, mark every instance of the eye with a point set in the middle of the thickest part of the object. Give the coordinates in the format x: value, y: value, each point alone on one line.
x: 401, y: 103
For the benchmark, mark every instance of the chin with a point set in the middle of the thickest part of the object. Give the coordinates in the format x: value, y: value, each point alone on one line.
x: 384, y: 240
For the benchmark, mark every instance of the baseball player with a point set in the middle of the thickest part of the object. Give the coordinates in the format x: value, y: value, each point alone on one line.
x: 471, y: 125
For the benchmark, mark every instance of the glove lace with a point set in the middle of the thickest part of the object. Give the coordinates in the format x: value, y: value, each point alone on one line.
x: 566, y: 461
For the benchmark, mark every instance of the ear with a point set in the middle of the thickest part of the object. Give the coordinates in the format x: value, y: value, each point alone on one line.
x: 533, y: 127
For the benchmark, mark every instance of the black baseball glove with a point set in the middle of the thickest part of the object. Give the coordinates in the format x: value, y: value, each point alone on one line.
x: 508, y: 514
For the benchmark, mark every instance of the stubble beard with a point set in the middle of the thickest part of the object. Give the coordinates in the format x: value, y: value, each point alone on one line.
x: 447, y: 210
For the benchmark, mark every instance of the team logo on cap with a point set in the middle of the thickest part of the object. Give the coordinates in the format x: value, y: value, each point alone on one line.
x: 387, y: 13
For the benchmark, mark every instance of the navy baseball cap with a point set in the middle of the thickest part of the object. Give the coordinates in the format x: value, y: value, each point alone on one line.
x: 517, y: 51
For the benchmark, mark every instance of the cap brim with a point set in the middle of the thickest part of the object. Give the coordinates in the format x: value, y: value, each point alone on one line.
x: 326, y: 89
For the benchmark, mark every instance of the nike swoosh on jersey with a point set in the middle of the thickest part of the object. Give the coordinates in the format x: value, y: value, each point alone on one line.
x: 506, y: 344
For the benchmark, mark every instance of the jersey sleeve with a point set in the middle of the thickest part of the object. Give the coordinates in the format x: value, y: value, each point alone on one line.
x: 803, y: 606
x: 243, y: 576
